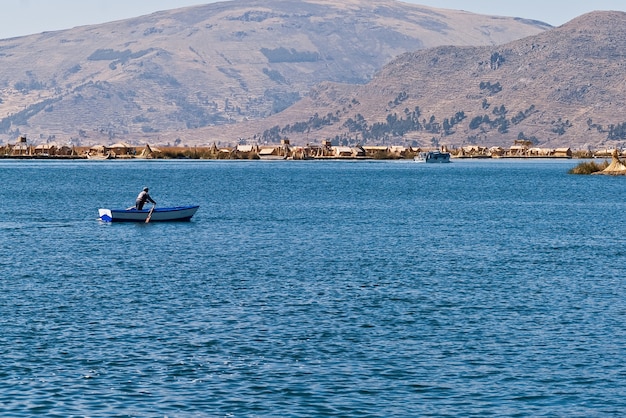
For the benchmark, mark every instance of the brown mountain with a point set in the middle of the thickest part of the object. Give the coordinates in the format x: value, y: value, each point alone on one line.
x: 563, y: 87
x: 165, y: 75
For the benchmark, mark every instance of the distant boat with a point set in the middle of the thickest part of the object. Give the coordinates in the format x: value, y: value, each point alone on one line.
x: 433, y: 157
x: 107, y: 156
x: 176, y: 213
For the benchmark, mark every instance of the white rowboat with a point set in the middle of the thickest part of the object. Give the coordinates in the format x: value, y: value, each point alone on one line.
x: 176, y: 213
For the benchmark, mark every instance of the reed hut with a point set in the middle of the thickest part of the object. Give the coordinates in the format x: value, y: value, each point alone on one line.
x: 149, y: 152
x: 616, y: 168
x: 123, y: 149
x: 21, y: 147
x: 563, y: 153
x: 45, y: 150
x: 376, y: 150
x: 98, y: 150
x: 342, y: 151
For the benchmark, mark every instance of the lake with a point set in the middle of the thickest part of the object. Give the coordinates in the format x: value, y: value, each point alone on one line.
x: 313, y: 288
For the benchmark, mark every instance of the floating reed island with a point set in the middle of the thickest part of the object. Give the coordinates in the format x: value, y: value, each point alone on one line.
x: 615, y: 168
x: 23, y: 149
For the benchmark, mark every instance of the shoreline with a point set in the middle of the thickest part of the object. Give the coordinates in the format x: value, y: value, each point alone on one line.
x: 325, y: 158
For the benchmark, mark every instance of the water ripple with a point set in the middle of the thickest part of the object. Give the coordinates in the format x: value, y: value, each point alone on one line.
x: 370, y: 289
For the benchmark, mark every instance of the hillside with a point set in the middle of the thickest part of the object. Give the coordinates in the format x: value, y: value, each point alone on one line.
x: 163, y: 76
x: 563, y: 87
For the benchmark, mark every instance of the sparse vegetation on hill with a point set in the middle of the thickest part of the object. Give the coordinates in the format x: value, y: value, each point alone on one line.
x: 559, y: 88
x: 218, y: 65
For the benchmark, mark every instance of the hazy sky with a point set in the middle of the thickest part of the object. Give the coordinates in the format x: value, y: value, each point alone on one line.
x: 23, y: 17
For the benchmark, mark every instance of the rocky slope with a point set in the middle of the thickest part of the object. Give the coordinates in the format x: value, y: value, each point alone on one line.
x: 562, y: 87
x: 161, y: 77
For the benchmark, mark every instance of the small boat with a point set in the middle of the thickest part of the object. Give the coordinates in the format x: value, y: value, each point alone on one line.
x: 176, y: 213
x: 433, y: 157
x: 107, y: 156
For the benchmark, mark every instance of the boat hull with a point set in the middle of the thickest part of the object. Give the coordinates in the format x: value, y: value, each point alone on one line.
x: 171, y: 214
x: 100, y: 157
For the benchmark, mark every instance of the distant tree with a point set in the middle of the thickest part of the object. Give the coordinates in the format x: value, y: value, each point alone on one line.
x: 476, y: 122
x: 447, y: 127
x: 491, y: 88
x: 499, y: 111
x: 274, y: 75
x: 496, y: 60
x: 617, y: 131
x: 282, y: 54
x: 503, y: 125
x: 560, y: 127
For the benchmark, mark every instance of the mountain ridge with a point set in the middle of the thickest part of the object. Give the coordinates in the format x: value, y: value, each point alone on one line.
x: 176, y: 71
x: 562, y: 87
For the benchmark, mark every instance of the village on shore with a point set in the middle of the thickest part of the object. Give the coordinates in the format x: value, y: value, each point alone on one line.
x: 22, y: 149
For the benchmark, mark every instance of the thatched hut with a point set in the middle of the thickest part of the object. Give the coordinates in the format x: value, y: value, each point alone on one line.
x: 46, y: 149
x: 122, y: 149
x: 563, y: 153
x: 149, y: 152
x: 64, y: 150
x: 21, y: 147
x: 616, y: 168
x: 98, y: 150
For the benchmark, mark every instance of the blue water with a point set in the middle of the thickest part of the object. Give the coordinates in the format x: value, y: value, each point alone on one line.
x: 387, y: 289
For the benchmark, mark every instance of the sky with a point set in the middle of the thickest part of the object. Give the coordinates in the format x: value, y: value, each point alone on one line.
x: 25, y: 17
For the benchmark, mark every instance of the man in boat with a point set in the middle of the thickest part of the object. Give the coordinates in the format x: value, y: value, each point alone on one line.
x: 142, y: 198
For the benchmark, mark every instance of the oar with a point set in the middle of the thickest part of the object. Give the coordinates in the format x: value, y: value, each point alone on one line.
x: 150, y: 214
